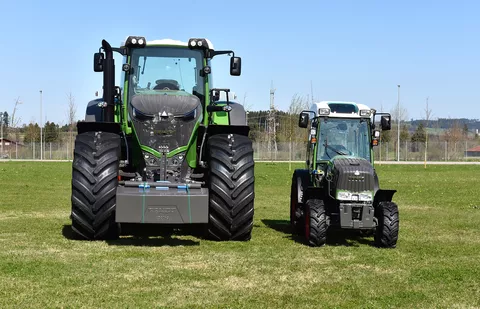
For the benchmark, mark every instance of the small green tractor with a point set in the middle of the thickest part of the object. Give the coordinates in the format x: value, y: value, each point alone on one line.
x: 339, y: 188
x: 163, y: 151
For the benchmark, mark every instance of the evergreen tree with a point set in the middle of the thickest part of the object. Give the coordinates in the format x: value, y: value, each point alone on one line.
x: 419, y: 136
x: 51, y: 132
x: 32, y: 133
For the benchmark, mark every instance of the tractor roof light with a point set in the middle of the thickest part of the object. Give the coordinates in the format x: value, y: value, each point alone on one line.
x: 365, y: 113
x: 198, y: 44
x: 324, y: 111
x: 135, y: 41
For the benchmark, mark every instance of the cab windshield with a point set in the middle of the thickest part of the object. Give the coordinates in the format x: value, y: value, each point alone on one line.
x: 157, y: 69
x: 343, y: 137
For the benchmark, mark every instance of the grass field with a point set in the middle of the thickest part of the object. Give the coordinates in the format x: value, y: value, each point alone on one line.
x: 436, y: 263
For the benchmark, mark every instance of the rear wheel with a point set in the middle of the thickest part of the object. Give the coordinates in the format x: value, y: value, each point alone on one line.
x: 297, y: 223
x: 231, y: 183
x: 315, y: 223
x: 94, y: 183
x: 386, y: 234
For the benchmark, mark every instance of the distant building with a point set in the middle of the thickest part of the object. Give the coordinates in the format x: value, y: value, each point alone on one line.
x: 8, y: 146
x: 473, y: 152
x: 8, y: 143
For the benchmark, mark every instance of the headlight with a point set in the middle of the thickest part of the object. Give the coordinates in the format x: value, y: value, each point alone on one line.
x: 150, y: 159
x: 344, y: 195
x: 365, y: 197
x: 365, y: 113
x: 195, y: 43
x: 323, y: 111
x: 135, y: 41
x: 355, y: 197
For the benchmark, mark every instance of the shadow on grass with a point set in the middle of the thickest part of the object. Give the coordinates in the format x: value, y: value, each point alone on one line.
x: 335, y: 237
x: 142, y: 239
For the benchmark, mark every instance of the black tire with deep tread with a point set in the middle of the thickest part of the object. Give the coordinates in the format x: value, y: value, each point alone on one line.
x: 386, y: 234
x: 315, y: 223
x: 297, y: 221
x: 94, y: 183
x: 231, y: 184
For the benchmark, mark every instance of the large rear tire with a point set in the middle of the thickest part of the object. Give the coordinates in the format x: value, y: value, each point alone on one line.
x: 231, y: 183
x: 386, y: 234
x: 94, y: 184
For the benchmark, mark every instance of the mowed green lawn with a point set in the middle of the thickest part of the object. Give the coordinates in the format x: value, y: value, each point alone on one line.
x: 436, y: 263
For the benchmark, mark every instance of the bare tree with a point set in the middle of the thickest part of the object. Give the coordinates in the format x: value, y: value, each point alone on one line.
x: 71, y: 115
x: 297, y: 105
x: 247, y: 107
x: 403, y: 114
x: 14, y: 122
x: 428, y: 116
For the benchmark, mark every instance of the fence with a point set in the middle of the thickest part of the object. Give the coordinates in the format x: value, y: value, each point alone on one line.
x: 409, y: 151
x: 285, y: 151
x: 32, y: 151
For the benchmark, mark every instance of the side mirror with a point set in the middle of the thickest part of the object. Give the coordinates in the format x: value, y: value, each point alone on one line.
x: 303, y: 120
x: 386, y: 123
x: 235, y: 66
x: 98, y: 62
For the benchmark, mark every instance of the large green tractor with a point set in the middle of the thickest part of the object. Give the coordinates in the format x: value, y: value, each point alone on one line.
x: 163, y: 150
x: 339, y: 188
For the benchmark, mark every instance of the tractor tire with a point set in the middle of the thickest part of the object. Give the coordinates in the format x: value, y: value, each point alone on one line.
x: 386, y: 234
x: 94, y: 184
x: 297, y: 221
x: 315, y: 223
x: 231, y: 185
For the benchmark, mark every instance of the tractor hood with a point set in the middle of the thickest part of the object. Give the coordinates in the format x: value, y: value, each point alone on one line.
x: 165, y: 121
x: 352, y: 174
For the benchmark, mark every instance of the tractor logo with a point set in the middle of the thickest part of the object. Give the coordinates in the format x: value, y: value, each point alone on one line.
x: 357, y: 173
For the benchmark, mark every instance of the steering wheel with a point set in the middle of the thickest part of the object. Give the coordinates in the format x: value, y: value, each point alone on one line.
x: 339, y: 149
x: 166, y: 84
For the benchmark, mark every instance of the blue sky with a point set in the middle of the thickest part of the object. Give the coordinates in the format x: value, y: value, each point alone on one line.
x: 350, y: 50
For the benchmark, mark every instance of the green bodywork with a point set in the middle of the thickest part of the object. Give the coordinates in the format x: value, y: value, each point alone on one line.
x: 322, y: 167
x: 121, y: 116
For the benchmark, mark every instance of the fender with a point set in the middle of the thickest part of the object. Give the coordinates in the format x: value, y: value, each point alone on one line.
x: 86, y: 126
x: 383, y: 196
x: 303, y: 182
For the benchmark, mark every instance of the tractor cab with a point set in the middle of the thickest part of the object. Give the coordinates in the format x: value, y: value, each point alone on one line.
x: 341, y: 129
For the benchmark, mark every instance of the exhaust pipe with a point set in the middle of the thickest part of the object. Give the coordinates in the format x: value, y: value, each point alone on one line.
x: 108, y: 83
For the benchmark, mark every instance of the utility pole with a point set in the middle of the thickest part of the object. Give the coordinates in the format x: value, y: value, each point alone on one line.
x: 41, y: 130
x: 1, y: 125
x: 398, y: 133
x: 427, y: 116
x: 290, y: 152
x: 272, y: 136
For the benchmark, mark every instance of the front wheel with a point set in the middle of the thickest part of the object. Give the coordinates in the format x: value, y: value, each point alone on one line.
x: 315, y: 223
x: 386, y: 234
x: 94, y: 184
x: 231, y: 182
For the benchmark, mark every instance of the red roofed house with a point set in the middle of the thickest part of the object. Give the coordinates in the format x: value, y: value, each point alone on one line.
x: 8, y: 147
x: 473, y: 152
